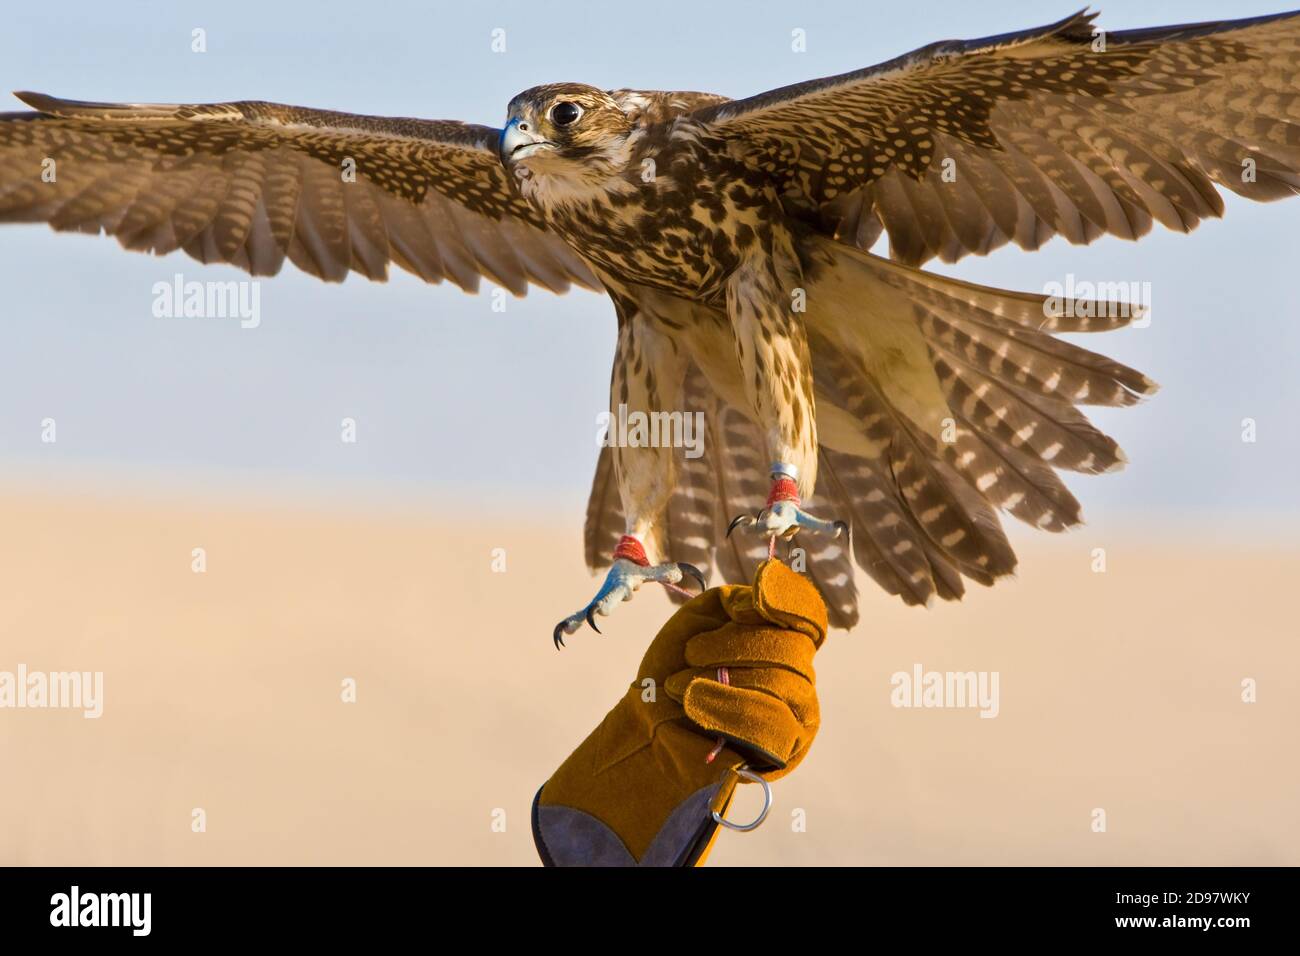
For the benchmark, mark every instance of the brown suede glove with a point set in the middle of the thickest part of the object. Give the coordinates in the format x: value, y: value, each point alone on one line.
x: 732, y: 669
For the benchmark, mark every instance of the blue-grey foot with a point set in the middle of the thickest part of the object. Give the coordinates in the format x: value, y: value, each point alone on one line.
x: 783, y: 517
x: 622, y: 581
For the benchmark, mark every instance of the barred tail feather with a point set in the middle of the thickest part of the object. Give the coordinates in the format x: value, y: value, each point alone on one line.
x: 941, y: 404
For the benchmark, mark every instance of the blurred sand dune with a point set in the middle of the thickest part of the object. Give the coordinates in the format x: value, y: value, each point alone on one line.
x: 1119, y: 691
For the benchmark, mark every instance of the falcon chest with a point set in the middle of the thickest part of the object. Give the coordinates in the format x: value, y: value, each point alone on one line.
x: 677, y: 214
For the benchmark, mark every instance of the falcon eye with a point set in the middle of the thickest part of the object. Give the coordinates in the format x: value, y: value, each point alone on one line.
x: 565, y: 114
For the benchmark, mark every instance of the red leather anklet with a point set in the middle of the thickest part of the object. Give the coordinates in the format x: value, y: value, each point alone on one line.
x: 783, y: 489
x: 631, y: 549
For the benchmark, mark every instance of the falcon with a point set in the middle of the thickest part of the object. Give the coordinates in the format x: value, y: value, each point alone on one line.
x: 890, y: 413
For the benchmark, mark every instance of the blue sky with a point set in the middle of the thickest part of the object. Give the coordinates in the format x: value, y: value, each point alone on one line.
x: 449, y: 394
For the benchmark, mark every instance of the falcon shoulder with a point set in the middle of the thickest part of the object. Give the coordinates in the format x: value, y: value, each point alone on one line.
x: 963, y: 146
x: 253, y: 183
x: 652, y: 107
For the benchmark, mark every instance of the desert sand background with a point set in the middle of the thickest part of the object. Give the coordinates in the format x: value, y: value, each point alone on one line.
x: 1119, y: 690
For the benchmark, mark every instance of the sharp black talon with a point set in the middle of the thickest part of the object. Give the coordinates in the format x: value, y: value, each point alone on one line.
x: 735, y: 521
x: 841, y: 527
x: 591, y: 619
x: 559, y: 635
x: 694, y: 572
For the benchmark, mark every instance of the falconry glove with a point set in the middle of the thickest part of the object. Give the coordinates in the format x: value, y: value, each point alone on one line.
x: 725, y: 692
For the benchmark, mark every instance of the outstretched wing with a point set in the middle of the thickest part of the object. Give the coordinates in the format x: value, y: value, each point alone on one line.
x: 253, y: 183
x: 963, y: 146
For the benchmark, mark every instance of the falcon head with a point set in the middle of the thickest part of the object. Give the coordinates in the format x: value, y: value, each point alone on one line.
x: 562, y: 124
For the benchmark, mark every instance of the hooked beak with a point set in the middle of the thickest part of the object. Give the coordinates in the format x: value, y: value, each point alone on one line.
x: 519, y: 142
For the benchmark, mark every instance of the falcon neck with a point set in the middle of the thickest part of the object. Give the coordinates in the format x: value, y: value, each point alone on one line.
x: 561, y: 189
